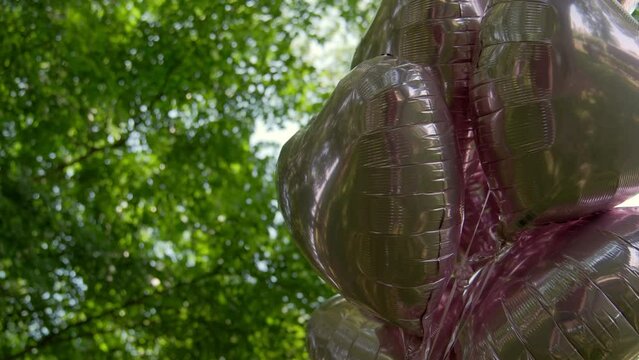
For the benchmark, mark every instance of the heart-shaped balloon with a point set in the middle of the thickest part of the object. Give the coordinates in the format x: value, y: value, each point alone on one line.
x: 438, y: 33
x: 443, y: 34
x: 556, y: 91
x: 338, y: 330
x: 370, y: 189
x: 570, y: 291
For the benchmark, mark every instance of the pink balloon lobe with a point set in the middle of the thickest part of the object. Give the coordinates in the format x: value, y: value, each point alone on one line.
x: 568, y: 291
x: 371, y: 189
x: 442, y: 34
x: 555, y: 94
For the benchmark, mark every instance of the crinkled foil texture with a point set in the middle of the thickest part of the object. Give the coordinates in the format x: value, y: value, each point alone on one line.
x: 442, y: 34
x: 557, y: 122
x: 523, y: 112
x: 569, y: 291
x: 338, y: 330
x: 564, y: 291
x: 371, y: 190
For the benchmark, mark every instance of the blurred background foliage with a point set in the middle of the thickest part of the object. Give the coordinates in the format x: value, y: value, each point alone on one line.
x: 138, y: 217
x: 138, y: 213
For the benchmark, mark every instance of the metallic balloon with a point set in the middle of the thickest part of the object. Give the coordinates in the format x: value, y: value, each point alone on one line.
x: 480, y: 240
x: 443, y: 34
x: 338, y: 330
x: 371, y: 190
x: 438, y: 33
x: 556, y: 92
x: 570, y: 291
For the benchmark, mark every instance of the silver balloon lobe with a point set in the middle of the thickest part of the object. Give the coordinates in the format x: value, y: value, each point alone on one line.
x: 371, y: 190
x: 555, y: 91
x: 339, y: 330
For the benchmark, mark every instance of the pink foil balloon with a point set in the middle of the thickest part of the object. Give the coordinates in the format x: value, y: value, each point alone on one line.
x: 437, y: 33
x: 371, y: 190
x: 569, y: 291
x: 556, y: 91
x: 443, y: 34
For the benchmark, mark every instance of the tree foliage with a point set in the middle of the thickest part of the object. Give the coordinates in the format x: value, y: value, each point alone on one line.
x: 135, y: 217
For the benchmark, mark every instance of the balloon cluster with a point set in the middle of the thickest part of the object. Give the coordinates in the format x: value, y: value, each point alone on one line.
x: 458, y: 188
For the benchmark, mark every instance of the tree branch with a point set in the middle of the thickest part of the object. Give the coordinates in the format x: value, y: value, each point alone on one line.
x: 58, y: 337
x: 122, y: 141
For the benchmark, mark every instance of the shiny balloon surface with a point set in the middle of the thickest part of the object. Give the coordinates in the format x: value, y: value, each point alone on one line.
x: 338, y: 330
x: 371, y: 190
x: 555, y: 91
x: 439, y: 33
x: 385, y: 193
x: 443, y: 34
x: 570, y: 291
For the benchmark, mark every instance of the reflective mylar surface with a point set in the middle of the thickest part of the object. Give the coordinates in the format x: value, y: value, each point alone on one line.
x: 556, y: 91
x: 438, y: 33
x: 443, y: 34
x: 338, y: 330
x: 570, y: 291
x: 370, y: 189
x: 480, y: 239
